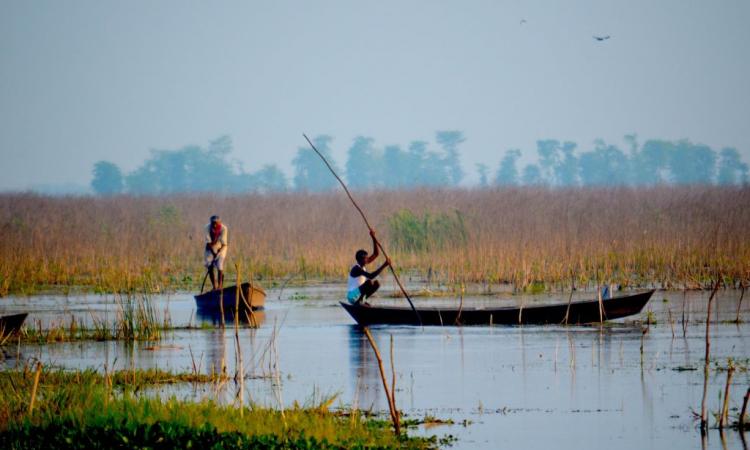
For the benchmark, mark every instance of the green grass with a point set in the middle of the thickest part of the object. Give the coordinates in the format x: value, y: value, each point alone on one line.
x: 79, y: 410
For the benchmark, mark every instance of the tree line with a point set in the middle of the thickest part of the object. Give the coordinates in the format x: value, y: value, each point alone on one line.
x: 426, y: 164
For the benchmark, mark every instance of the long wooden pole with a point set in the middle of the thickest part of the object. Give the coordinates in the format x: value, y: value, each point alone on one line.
x: 367, y: 222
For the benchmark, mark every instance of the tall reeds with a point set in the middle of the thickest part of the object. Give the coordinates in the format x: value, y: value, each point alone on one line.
x: 525, y: 236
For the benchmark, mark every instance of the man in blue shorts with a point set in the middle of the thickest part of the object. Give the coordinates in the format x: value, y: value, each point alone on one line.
x: 362, y: 284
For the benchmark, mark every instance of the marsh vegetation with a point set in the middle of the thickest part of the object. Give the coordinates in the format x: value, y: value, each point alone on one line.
x: 530, y: 238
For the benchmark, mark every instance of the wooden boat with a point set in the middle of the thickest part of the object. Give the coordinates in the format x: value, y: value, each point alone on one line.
x: 10, y: 325
x: 251, y: 297
x: 580, y: 312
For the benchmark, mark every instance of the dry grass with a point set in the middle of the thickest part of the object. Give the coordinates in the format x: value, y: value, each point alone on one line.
x: 667, y: 235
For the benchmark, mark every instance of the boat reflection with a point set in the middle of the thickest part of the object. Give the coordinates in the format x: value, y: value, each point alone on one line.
x: 252, y: 319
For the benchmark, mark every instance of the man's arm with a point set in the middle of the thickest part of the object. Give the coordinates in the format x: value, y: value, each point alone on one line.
x: 375, y: 252
x: 208, y: 238
x: 371, y: 275
x: 224, y: 236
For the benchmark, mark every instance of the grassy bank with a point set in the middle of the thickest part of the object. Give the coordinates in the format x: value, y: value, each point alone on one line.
x: 675, y: 236
x: 88, y: 410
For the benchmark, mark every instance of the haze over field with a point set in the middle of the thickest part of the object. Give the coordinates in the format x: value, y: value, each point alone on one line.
x: 96, y: 80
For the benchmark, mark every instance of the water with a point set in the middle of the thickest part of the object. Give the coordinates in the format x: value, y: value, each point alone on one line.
x: 524, y: 387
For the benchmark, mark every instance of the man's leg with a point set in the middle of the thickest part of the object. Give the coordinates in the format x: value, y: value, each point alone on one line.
x: 221, y: 279
x: 212, y: 277
x: 367, y: 289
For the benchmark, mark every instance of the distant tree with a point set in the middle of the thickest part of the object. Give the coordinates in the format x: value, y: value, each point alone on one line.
x: 532, y: 175
x: 692, y: 163
x: 507, y: 173
x: 107, y: 178
x: 189, y: 169
x: 310, y: 174
x: 483, y: 171
x: 549, y: 159
x: 425, y: 168
x: 361, y: 158
x: 221, y: 146
x: 434, y: 171
x: 450, y: 141
x: 395, y: 172
x: 566, y: 171
x: 266, y: 180
x: 143, y: 180
x: 650, y: 164
x: 731, y: 168
x: 272, y: 179
x: 416, y: 157
x: 606, y: 165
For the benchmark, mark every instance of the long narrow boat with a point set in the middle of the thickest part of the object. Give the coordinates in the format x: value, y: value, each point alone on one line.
x: 10, y: 325
x: 251, y: 296
x: 580, y: 312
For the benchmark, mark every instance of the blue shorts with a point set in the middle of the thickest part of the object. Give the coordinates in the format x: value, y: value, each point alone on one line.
x: 353, y: 295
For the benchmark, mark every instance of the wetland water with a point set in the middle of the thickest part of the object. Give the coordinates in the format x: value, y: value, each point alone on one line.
x: 516, y: 387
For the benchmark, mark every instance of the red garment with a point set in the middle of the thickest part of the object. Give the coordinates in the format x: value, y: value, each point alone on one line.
x: 215, y: 232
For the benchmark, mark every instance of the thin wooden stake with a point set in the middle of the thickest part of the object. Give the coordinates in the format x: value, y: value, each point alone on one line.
x: 704, y: 414
x: 725, y: 408
x: 739, y: 304
x: 377, y: 242
x: 570, y: 299
x: 393, y: 383
x: 744, y: 409
x: 36, y: 383
x: 391, y: 405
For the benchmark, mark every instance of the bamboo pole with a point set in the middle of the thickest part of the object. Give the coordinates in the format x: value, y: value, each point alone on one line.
x: 367, y: 222
x: 391, y: 404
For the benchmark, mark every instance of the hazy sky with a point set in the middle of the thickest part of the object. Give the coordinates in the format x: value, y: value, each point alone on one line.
x: 82, y: 81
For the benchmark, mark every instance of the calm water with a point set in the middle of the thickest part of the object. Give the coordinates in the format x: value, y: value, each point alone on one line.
x: 523, y: 387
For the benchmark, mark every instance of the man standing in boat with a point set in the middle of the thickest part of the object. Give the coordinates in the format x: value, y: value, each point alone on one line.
x: 362, y: 284
x: 216, y: 250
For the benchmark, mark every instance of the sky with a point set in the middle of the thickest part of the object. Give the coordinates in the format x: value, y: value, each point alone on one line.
x: 83, y: 81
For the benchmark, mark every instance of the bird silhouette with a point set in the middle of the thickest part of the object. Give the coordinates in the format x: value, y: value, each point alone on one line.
x: 601, y: 38
x: 523, y: 21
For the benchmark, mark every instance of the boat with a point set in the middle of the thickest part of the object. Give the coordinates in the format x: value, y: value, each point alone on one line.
x: 578, y: 312
x: 251, y: 297
x: 10, y: 325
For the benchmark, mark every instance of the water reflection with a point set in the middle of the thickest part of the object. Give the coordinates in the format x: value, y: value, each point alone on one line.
x: 252, y: 319
x: 364, y: 371
x: 576, y: 381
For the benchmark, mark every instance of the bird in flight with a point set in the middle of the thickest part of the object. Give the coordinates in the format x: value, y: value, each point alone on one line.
x: 601, y: 38
x: 523, y: 21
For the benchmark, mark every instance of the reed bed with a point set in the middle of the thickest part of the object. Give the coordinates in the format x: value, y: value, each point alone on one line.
x: 528, y: 237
